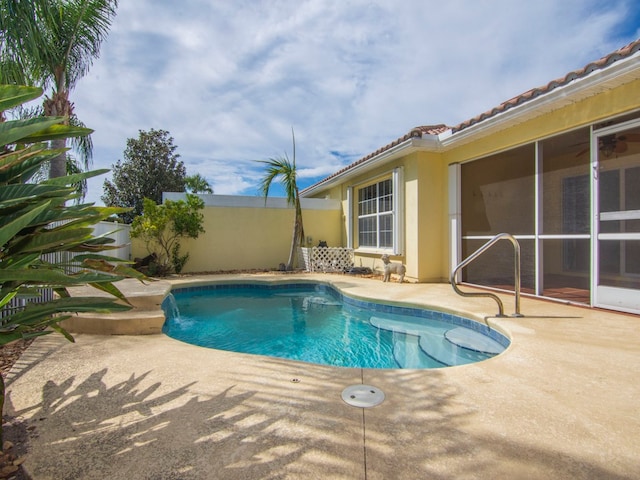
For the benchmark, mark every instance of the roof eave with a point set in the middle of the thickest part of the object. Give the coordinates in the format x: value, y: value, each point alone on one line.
x: 411, y: 145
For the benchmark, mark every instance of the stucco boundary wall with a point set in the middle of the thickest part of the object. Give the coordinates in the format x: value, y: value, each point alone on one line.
x: 247, y: 233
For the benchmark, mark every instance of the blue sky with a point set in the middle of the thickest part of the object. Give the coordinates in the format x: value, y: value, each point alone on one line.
x: 229, y: 80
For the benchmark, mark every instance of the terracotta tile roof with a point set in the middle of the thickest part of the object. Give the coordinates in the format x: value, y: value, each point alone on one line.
x: 418, y: 132
x: 604, y: 62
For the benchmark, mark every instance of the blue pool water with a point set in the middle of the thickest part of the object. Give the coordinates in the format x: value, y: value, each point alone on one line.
x: 315, y: 323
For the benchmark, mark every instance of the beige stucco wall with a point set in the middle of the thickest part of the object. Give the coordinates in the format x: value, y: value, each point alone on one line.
x: 425, y: 197
x: 244, y: 234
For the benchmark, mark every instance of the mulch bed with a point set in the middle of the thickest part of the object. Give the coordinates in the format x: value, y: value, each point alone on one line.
x: 10, y: 353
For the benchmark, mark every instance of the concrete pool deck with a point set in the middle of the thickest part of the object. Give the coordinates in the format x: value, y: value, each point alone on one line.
x: 561, y: 402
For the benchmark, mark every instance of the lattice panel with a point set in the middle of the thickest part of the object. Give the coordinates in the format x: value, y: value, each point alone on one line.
x: 327, y: 259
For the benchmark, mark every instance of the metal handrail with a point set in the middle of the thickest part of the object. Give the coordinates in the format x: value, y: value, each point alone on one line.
x: 476, y: 254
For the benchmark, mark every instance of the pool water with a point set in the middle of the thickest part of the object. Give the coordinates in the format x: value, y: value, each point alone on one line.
x: 316, y: 324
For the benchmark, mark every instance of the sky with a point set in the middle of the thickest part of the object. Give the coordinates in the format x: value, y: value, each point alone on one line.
x: 230, y: 80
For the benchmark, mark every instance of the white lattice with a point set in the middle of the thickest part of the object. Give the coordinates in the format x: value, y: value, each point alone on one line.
x: 327, y: 259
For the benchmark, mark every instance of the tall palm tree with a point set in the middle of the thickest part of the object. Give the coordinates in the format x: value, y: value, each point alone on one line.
x: 286, y: 170
x: 52, y: 44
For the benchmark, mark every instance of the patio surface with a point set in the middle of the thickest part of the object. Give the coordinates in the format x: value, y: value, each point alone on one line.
x: 561, y: 402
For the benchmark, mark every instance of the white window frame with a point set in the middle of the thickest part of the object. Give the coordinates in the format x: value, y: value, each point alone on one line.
x: 350, y: 217
x: 397, y: 213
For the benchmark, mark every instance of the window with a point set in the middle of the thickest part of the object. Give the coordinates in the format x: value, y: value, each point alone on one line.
x: 375, y: 215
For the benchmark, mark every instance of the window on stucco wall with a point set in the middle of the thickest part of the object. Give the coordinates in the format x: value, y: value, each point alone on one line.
x: 375, y: 215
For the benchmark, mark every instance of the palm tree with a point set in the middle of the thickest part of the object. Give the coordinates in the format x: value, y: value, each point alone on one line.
x: 82, y: 146
x: 52, y: 43
x: 286, y: 170
x: 197, y: 184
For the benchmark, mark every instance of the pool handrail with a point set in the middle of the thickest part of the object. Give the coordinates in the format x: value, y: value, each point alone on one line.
x: 475, y: 255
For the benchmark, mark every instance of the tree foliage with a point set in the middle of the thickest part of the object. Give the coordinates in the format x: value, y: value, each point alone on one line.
x: 285, y: 169
x: 163, y: 226
x: 52, y: 43
x: 39, y: 219
x: 197, y: 184
x: 150, y: 167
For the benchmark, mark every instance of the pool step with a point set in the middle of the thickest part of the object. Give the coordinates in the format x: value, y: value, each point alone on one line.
x: 448, y: 353
x: 472, y: 340
x: 146, y: 317
x: 400, y: 326
x: 410, y: 353
x: 455, y: 346
x: 132, y: 322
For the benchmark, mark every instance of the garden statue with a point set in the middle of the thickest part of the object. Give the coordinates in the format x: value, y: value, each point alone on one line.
x: 389, y: 268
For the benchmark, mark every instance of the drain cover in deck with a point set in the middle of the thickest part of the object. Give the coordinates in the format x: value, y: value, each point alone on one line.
x: 362, y: 396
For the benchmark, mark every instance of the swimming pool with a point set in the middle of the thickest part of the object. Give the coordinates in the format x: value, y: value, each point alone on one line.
x: 315, y: 323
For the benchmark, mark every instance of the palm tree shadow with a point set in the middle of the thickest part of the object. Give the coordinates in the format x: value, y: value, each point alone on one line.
x: 110, y: 423
x: 137, y: 429
x: 437, y: 435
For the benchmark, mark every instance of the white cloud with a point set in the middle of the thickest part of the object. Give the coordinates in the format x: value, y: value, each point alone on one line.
x: 229, y: 80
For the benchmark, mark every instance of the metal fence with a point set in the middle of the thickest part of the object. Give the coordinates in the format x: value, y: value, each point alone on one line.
x: 118, y: 231
x: 18, y: 303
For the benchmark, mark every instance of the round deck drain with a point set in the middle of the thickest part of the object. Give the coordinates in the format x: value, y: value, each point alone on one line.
x: 362, y: 396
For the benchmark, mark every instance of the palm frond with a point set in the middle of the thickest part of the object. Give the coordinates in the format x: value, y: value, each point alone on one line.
x: 83, y: 144
x: 279, y: 167
x: 20, y: 130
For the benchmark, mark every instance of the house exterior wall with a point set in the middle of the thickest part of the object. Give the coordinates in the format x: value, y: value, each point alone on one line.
x: 424, y: 202
x: 427, y: 244
x: 370, y: 257
x: 241, y: 233
x: 264, y: 232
